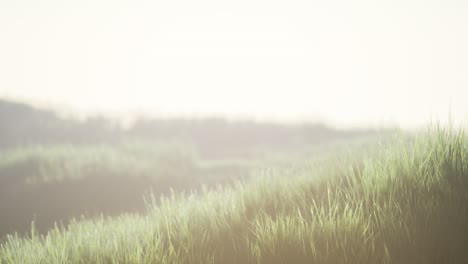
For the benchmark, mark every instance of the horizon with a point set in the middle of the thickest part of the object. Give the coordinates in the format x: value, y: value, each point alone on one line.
x: 128, y: 120
x: 363, y: 64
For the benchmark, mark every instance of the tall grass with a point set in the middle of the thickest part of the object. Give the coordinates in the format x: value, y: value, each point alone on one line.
x: 406, y: 202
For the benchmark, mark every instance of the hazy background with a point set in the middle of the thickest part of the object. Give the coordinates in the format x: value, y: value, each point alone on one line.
x: 359, y: 63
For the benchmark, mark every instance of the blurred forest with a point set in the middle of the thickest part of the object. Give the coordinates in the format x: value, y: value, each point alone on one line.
x: 22, y: 125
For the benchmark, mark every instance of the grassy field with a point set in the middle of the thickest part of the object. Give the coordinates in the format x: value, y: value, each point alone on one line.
x: 57, y: 182
x: 403, y: 202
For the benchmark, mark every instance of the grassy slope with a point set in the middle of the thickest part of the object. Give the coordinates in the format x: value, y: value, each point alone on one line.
x: 52, y: 183
x: 406, y: 203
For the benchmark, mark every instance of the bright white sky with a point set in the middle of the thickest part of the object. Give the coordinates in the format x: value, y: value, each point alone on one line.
x: 345, y: 62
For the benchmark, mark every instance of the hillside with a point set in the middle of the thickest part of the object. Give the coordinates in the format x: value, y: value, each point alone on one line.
x: 54, y: 169
x: 404, y: 202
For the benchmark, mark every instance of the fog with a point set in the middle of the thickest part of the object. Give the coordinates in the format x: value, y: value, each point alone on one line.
x: 364, y: 63
x: 247, y: 131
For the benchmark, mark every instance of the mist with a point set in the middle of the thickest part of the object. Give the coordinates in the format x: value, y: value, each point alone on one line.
x: 345, y: 63
x: 233, y: 131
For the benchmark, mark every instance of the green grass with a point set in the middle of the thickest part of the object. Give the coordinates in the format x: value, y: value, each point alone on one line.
x: 57, y: 182
x: 404, y: 202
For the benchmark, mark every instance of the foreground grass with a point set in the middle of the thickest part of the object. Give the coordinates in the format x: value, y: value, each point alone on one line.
x: 404, y: 203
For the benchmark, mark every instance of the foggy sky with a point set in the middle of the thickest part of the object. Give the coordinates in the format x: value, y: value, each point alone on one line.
x: 345, y: 62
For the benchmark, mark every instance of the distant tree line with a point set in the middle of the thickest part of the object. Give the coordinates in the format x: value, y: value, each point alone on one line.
x: 22, y: 124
